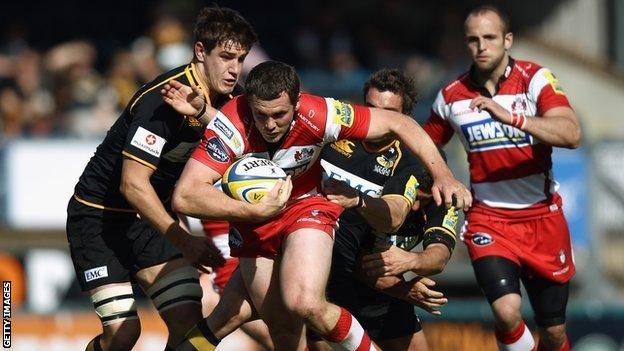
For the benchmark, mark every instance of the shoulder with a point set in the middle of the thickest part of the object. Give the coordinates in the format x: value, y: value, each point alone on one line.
x: 312, y: 112
x: 455, y: 89
x: 149, y: 93
x: 527, y: 69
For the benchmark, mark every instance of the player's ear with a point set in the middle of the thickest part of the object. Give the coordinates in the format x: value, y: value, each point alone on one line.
x: 297, y: 103
x: 508, y: 40
x: 199, y: 51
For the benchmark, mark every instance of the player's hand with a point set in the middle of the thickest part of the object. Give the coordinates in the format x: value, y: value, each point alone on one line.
x: 197, y: 250
x: 452, y: 192
x: 275, y: 201
x: 186, y: 100
x: 420, y: 294
x: 497, y: 111
x: 391, y: 261
x: 340, y: 193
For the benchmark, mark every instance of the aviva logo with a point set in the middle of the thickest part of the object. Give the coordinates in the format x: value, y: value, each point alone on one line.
x: 491, y: 134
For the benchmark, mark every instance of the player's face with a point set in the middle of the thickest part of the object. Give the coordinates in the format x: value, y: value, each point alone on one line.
x: 273, y: 117
x: 486, y: 41
x: 386, y: 100
x: 222, y: 66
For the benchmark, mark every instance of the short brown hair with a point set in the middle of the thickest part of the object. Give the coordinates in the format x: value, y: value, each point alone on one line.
x: 220, y: 25
x: 483, y: 9
x: 396, y: 82
x: 269, y: 79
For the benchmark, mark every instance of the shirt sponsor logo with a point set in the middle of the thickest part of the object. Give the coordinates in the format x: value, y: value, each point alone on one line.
x: 343, y: 114
x: 344, y: 147
x: 482, y: 239
x: 216, y: 150
x: 308, y: 120
x: 490, y: 134
x: 223, y: 128
x: 96, y: 273
x: 147, y: 141
x: 411, y: 189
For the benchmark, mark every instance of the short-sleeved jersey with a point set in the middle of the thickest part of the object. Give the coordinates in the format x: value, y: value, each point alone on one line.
x: 389, y: 171
x: 509, y: 168
x: 150, y: 132
x: 318, y: 121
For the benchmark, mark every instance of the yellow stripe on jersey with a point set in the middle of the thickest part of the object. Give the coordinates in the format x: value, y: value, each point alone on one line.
x: 145, y: 163
x: 154, y: 87
x: 442, y: 229
x: 100, y: 207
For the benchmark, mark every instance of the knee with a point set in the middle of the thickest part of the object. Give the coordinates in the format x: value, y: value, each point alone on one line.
x: 181, y: 319
x: 120, y: 336
x: 507, y: 314
x: 306, y: 306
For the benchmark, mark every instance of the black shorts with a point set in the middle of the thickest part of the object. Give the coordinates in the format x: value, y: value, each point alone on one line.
x: 110, y: 247
x: 382, y: 316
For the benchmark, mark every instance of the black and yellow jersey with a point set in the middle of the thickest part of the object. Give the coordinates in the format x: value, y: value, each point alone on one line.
x: 390, y: 171
x: 150, y: 132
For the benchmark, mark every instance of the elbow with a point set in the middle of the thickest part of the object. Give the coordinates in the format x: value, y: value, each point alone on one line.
x: 128, y: 190
x: 575, y: 142
x: 179, y: 203
x: 394, y: 225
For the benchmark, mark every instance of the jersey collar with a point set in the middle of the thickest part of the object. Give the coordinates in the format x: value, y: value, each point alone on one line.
x: 472, y: 77
x: 193, y: 76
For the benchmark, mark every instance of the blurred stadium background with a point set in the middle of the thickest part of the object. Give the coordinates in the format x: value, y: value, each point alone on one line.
x: 68, y: 68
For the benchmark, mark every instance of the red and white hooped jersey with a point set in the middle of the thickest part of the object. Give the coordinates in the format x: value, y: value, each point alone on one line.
x: 318, y: 121
x: 508, y: 167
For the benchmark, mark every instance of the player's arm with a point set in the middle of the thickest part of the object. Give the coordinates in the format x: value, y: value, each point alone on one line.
x: 558, y: 126
x: 385, y: 214
x: 418, y: 291
x: 135, y: 186
x: 438, y: 243
x: 196, y: 196
x: 445, y: 186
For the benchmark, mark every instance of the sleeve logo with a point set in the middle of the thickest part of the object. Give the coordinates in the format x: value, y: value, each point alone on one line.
x: 411, y: 189
x: 554, y: 82
x: 147, y: 141
x: 216, y: 150
x: 223, y: 128
x: 450, y: 219
x: 343, y: 114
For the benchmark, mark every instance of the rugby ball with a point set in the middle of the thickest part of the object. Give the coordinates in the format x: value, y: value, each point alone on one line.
x: 250, y: 179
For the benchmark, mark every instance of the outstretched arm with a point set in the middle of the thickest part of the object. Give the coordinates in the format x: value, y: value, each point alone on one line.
x: 445, y: 186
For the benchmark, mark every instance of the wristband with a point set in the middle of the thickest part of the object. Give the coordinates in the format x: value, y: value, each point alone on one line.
x: 518, y: 121
x: 202, y: 111
x: 360, y: 200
